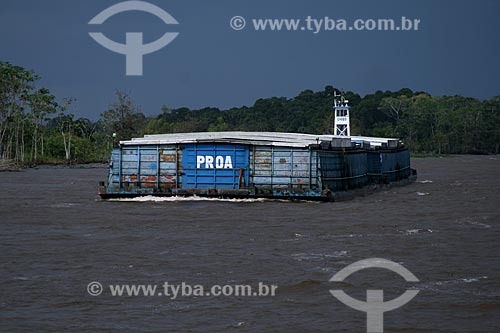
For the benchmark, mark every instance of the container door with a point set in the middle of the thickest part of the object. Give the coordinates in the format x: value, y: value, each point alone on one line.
x: 222, y: 166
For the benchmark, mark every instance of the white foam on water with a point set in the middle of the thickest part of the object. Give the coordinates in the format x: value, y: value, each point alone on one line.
x: 471, y: 221
x: 326, y: 269
x: 426, y: 181
x: 479, y: 224
x: 422, y: 193
x: 417, y: 231
x: 151, y: 198
x: 63, y: 205
x: 444, y: 286
x: 473, y: 279
x: 319, y: 256
x: 20, y: 278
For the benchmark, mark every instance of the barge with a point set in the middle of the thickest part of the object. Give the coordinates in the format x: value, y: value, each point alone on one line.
x: 255, y: 164
x: 258, y: 164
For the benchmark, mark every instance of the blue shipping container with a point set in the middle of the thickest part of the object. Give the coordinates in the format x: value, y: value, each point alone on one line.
x: 215, y: 166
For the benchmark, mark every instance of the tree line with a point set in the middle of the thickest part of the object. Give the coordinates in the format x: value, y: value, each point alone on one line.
x: 36, y: 127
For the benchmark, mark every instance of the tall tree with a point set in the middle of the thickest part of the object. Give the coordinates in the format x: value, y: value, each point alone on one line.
x: 66, y: 126
x: 16, y: 85
x: 42, y: 104
x: 123, y: 117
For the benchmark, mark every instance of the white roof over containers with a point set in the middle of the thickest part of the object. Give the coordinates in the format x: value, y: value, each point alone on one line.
x: 259, y: 138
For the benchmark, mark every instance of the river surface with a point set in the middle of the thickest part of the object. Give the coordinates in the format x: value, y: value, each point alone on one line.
x: 56, y: 237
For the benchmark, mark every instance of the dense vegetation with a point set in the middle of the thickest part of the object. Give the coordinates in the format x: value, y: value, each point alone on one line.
x: 36, y: 127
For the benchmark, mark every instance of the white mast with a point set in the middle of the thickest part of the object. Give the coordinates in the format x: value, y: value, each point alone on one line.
x: 341, y: 125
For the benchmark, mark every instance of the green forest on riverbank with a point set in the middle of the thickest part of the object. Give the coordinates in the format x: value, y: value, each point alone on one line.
x: 38, y: 127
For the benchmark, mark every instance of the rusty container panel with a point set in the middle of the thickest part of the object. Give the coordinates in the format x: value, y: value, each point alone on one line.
x: 148, y: 167
x: 169, y: 157
x: 283, y: 167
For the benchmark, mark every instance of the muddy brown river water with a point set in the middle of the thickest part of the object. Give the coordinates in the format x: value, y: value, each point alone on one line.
x: 56, y: 237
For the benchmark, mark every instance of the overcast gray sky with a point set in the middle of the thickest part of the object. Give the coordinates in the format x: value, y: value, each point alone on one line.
x: 455, y: 51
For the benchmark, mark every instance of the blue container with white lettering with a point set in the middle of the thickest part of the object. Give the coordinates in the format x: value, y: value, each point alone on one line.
x: 216, y: 166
